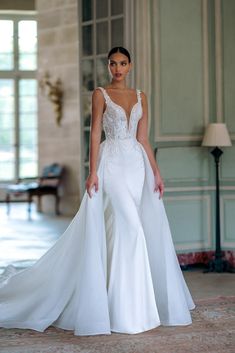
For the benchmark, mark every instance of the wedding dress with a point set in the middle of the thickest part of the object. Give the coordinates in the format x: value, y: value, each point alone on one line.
x: 115, y: 268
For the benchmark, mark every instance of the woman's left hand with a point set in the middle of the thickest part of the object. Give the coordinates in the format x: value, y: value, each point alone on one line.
x: 159, y: 185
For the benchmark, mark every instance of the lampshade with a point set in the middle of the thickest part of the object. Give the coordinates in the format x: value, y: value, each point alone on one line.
x: 216, y: 135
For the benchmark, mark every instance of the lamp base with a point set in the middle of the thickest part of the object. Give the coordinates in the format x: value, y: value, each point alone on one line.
x: 219, y: 265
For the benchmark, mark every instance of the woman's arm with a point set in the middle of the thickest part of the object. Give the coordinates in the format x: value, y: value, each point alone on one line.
x: 142, y: 137
x: 95, y: 137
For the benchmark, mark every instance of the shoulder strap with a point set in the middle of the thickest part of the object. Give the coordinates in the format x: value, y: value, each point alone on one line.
x: 104, y: 93
x: 138, y: 95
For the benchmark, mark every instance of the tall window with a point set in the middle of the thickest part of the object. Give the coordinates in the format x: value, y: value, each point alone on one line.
x: 18, y: 97
x: 102, y: 27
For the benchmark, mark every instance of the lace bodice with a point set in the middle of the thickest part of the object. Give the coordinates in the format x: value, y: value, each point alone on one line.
x: 116, y: 124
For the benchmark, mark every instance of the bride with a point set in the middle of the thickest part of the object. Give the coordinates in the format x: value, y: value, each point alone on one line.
x: 115, y: 268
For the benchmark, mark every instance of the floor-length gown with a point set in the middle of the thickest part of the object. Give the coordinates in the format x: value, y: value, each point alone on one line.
x: 115, y: 268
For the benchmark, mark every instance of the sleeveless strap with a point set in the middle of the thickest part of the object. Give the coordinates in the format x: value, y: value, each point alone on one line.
x: 106, y: 97
x: 138, y: 95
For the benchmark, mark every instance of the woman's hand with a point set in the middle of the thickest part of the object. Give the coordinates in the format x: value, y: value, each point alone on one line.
x: 159, y: 185
x: 92, y: 180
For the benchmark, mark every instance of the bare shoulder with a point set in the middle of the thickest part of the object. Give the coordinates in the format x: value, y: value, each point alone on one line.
x: 143, y: 96
x: 97, y: 95
x: 97, y: 92
x: 143, y: 100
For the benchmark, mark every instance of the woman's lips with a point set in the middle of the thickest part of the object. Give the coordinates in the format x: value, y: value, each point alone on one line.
x: 118, y: 75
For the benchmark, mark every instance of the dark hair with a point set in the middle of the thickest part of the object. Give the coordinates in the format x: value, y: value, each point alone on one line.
x: 120, y: 50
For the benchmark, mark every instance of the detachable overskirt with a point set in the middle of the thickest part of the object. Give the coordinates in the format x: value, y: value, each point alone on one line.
x: 67, y: 286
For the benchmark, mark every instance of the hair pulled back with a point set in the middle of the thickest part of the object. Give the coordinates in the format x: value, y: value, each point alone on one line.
x: 120, y: 50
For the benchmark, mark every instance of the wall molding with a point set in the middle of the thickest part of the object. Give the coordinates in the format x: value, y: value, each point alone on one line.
x: 129, y: 34
x: 193, y: 155
x: 226, y: 164
x: 143, y: 49
x: 157, y: 84
x: 223, y: 200
x: 218, y: 62
x: 205, y: 52
x: 198, y: 188
x: 156, y: 99
x: 208, y: 241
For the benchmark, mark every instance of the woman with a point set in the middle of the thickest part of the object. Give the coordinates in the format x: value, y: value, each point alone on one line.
x: 115, y: 268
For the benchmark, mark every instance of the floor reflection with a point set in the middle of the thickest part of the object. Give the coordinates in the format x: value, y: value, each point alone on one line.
x: 23, y: 241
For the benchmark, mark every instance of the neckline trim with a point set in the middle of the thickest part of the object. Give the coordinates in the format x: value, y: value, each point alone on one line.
x: 128, y: 117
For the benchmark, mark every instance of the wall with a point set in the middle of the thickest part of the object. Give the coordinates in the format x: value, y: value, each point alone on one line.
x: 58, y: 45
x: 27, y: 5
x: 193, y: 58
x: 184, y: 60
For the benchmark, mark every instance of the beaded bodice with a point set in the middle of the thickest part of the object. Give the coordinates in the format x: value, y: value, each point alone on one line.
x: 116, y: 123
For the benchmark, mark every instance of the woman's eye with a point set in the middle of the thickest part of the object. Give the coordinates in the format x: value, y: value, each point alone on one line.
x: 123, y: 64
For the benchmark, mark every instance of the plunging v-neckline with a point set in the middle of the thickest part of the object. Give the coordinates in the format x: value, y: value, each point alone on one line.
x: 128, y: 118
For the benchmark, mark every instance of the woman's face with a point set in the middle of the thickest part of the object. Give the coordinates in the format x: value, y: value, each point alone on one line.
x: 119, y: 66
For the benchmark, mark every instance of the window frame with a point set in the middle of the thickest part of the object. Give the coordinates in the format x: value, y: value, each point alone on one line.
x: 128, y: 41
x: 16, y: 75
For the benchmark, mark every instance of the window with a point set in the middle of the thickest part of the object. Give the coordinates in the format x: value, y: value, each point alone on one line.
x: 18, y: 97
x: 102, y: 27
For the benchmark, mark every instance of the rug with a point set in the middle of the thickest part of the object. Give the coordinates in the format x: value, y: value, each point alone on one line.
x: 212, y: 331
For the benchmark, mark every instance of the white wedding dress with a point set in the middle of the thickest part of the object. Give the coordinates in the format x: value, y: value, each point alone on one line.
x: 115, y: 268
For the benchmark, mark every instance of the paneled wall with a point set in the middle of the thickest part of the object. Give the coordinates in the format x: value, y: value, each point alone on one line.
x: 193, y: 60
x: 227, y: 63
x: 184, y: 59
x: 182, y: 56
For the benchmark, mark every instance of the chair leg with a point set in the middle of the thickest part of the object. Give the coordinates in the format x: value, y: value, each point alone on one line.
x: 8, y: 203
x: 39, y: 207
x: 57, y: 201
x: 29, y: 205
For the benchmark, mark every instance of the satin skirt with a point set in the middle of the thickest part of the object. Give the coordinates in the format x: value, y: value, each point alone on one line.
x: 114, y: 269
x: 132, y: 305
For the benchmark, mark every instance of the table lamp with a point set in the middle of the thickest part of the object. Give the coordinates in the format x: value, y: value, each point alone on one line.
x: 216, y: 135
